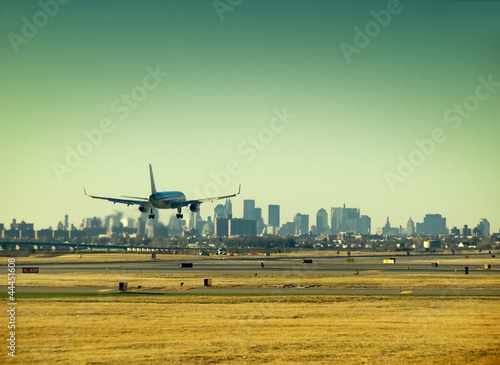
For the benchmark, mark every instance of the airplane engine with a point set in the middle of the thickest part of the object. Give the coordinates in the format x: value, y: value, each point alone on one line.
x: 194, y: 207
x: 144, y: 209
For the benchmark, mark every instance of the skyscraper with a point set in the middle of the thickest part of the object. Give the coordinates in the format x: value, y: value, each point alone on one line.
x: 249, y: 209
x: 322, y: 221
x: 259, y: 219
x: 336, y: 220
x: 366, y: 225
x: 349, y: 220
x: 220, y: 211
x: 410, y: 227
x: 229, y: 207
x: 274, y: 215
x: 301, y: 223
x: 434, y: 224
x: 483, y: 228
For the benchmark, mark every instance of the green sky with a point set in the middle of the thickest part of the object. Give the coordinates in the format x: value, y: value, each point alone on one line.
x: 191, y: 87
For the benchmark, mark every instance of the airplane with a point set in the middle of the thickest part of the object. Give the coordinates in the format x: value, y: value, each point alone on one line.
x: 162, y: 200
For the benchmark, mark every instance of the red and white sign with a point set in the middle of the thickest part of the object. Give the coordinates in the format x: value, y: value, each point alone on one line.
x: 30, y: 270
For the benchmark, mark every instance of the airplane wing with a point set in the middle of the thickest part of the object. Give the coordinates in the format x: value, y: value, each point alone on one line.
x: 204, y: 200
x: 143, y: 201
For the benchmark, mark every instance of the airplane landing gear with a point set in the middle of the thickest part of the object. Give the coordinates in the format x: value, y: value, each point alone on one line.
x: 151, y: 216
x: 179, y: 214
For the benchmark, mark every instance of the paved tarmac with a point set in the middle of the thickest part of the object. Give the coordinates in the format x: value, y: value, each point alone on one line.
x: 328, y: 265
x: 264, y: 291
x: 334, y: 265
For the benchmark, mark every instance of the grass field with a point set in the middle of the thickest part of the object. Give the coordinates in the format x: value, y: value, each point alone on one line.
x: 191, y: 329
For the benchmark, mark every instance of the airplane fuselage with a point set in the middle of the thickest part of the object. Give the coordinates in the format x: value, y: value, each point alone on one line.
x: 164, y: 200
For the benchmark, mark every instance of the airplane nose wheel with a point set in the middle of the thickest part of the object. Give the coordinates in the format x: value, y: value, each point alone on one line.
x: 179, y: 214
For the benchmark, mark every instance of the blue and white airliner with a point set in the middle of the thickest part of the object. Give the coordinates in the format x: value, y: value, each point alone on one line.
x: 162, y: 200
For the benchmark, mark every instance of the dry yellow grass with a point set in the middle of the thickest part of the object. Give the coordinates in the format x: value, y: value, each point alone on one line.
x: 272, y: 330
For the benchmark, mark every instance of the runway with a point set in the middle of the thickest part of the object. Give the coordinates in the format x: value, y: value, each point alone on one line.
x: 362, y: 265
x: 203, y: 291
x: 334, y: 265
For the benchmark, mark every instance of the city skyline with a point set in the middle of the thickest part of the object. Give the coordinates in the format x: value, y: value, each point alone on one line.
x: 431, y: 223
x: 389, y: 106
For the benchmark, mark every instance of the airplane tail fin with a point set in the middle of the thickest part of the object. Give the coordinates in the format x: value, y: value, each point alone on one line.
x: 153, y: 187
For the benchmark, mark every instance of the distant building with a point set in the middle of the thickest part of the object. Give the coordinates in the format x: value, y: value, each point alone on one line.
x: 410, y: 227
x: 366, y: 225
x: 483, y: 228
x: 208, y: 228
x: 229, y: 207
x: 389, y: 231
x: 23, y: 226
x: 288, y: 229
x: 336, y: 220
x: 432, y: 245
x: 301, y: 224
x: 242, y: 227
x: 466, y: 231
x: 434, y: 224
x: 321, y: 221
x: 454, y: 231
x: 249, y: 209
x: 220, y: 211
x: 274, y: 215
x: 221, y: 227
x: 259, y: 220
x: 226, y: 227
x: 349, y: 220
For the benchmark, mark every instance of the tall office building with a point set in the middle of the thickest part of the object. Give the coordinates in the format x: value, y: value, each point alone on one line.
x: 434, y: 224
x: 366, y: 225
x: 349, y: 220
x: 274, y: 215
x: 242, y: 227
x: 259, y: 220
x: 220, y: 211
x: 301, y: 223
x: 483, y: 228
x: 229, y: 207
x: 321, y: 221
x: 336, y: 219
x: 221, y: 227
x: 249, y: 209
x: 466, y: 231
x: 410, y: 227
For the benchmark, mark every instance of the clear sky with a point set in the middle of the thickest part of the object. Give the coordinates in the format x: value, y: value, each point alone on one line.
x: 388, y: 106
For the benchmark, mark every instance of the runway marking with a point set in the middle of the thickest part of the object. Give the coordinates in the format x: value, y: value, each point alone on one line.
x: 406, y: 292
x: 373, y: 270
x: 105, y: 289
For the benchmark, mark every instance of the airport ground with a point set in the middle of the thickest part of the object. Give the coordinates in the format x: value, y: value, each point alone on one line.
x: 274, y: 309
